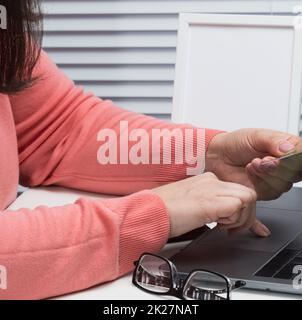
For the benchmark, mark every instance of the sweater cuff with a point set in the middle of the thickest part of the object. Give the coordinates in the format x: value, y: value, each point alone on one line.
x: 194, y: 155
x: 144, y: 226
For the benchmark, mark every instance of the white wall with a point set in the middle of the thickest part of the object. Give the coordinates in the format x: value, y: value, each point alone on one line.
x: 125, y: 49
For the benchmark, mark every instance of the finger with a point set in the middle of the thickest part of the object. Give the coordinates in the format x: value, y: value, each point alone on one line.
x: 279, y: 185
x: 252, y: 174
x: 272, y: 181
x: 227, y: 207
x: 264, y: 191
x: 277, y: 168
x: 232, y: 220
x: 244, y: 217
x: 264, y: 166
x: 286, y: 170
x: 258, y: 167
x: 259, y: 229
x: 232, y: 212
x: 245, y: 194
x: 247, y: 223
x: 283, y: 170
x: 273, y: 142
x: 270, y: 166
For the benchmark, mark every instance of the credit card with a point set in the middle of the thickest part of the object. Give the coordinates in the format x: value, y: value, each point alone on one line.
x: 292, y: 161
x: 296, y: 156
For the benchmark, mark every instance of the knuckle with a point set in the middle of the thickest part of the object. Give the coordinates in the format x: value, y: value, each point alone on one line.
x: 210, y: 175
x: 251, y: 195
x: 237, y: 204
x: 234, y: 207
x: 247, y: 189
x: 234, y: 219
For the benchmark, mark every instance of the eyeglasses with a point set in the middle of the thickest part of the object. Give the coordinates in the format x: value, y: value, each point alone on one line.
x: 158, y: 275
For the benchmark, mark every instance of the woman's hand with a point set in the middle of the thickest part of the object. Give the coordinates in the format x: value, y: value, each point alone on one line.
x: 203, y: 199
x: 244, y: 157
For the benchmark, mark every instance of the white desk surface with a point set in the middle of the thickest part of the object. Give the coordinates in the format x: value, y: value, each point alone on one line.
x: 121, y: 289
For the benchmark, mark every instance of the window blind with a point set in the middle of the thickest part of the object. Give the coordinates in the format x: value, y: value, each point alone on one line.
x: 125, y: 50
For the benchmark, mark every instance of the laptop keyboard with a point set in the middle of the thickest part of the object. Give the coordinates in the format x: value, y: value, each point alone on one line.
x: 282, y: 265
x: 287, y: 271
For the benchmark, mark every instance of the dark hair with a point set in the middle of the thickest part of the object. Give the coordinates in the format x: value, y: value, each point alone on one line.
x: 20, y: 44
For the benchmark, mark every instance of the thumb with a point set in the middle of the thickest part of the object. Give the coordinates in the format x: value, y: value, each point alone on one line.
x: 259, y: 229
x: 275, y: 143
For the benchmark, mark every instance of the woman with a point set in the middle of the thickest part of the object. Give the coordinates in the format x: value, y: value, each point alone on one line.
x: 48, y: 135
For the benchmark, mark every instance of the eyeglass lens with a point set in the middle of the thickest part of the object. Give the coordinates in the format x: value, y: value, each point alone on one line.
x: 203, y: 285
x: 154, y: 274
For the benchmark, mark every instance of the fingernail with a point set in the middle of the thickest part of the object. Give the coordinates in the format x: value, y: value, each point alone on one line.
x: 265, y: 232
x: 269, y: 166
x: 286, y: 147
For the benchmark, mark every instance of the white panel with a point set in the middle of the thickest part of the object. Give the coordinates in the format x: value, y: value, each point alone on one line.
x: 225, y: 73
x: 282, y: 6
x: 240, y: 70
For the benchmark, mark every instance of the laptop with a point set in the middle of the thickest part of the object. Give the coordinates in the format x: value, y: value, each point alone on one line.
x: 273, y: 263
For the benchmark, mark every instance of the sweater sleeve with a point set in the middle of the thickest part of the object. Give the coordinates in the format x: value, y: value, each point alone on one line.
x: 49, y: 252
x: 53, y: 251
x: 58, y: 127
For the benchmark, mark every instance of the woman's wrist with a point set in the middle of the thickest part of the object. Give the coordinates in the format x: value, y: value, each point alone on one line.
x: 215, y: 152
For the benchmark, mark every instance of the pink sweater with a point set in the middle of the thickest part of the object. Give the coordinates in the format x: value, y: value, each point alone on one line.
x: 48, y: 136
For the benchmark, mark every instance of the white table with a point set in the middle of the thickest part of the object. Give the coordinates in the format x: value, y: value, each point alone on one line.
x: 121, y: 289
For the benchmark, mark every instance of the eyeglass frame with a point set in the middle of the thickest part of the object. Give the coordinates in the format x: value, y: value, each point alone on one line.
x: 177, y: 287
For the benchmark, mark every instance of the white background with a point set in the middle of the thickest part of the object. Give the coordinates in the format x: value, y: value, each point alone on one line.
x: 125, y: 50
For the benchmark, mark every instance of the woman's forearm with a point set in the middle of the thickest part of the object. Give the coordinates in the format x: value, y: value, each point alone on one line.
x: 59, y: 131
x: 53, y: 251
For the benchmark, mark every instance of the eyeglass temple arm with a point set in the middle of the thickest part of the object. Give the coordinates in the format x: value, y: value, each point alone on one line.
x: 238, y: 285
x: 235, y: 286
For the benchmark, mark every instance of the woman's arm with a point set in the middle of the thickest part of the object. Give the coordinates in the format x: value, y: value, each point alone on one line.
x: 53, y: 251
x: 57, y: 129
